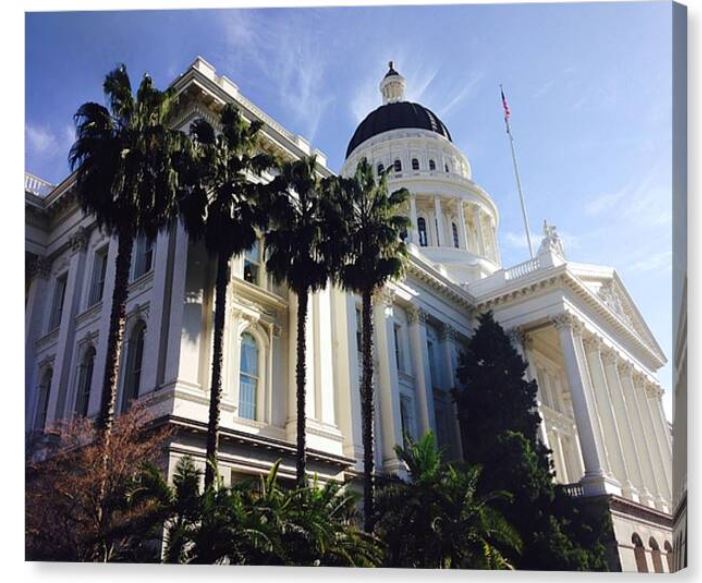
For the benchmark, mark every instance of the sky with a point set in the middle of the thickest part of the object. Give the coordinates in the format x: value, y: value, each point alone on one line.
x: 589, y: 87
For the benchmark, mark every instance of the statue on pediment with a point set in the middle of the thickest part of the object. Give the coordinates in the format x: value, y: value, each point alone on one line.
x: 551, y: 243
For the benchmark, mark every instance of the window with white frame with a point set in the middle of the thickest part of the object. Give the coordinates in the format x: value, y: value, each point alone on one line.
x: 58, y: 301
x: 84, y: 381
x: 454, y: 232
x: 397, y: 166
x: 415, y: 164
x: 97, y: 284
x: 248, y: 377
x: 44, y: 390
x: 252, y: 263
x: 432, y: 165
x: 134, y: 361
x: 143, y: 255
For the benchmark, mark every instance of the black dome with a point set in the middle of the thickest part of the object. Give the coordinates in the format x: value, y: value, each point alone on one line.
x: 397, y: 115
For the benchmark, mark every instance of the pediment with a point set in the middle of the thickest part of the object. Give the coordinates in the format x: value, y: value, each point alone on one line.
x: 606, y: 285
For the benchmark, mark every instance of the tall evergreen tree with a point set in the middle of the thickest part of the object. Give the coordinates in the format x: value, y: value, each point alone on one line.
x: 499, y: 423
x: 297, y: 251
x: 221, y: 204
x: 369, y: 241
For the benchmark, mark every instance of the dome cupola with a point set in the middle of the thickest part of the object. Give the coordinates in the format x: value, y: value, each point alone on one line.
x: 396, y: 113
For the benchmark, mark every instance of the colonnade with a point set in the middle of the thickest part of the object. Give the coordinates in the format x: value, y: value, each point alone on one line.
x: 425, y: 386
x: 476, y: 229
x: 625, y: 444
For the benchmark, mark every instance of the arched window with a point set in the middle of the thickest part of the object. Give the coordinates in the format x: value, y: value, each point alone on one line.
x: 248, y: 377
x: 454, y: 232
x: 43, y: 399
x: 397, y: 166
x: 432, y: 165
x: 446, y: 167
x: 669, y: 555
x: 381, y: 169
x: 85, y: 378
x: 415, y: 164
x: 422, y: 230
x: 134, y: 360
x: 656, y: 555
x: 639, y: 554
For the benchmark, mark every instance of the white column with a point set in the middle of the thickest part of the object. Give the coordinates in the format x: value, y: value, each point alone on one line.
x: 34, y: 308
x: 605, y: 407
x: 595, y: 480
x: 650, y: 492
x: 661, y: 457
x: 440, y: 233
x: 648, y: 439
x: 325, y: 359
x: 479, y: 229
x: 461, y: 217
x: 66, y: 333
x: 562, y: 466
x: 422, y: 374
x: 448, y: 335
x: 633, y: 484
x: 388, y: 386
x: 414, y: 236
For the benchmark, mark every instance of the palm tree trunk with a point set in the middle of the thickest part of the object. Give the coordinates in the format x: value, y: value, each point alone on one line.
x: 300, y: 372
x: 367, y: 413
x: 216, y: 382
x: 106, y: 416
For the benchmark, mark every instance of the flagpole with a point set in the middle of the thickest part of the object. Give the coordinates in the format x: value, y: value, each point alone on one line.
x: 516, y: 174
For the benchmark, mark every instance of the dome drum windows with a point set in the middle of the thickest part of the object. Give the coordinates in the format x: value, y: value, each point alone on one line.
x: 422, y: 232
x: 415, y: 164
x: 432, y: 165
x: 397, y: 165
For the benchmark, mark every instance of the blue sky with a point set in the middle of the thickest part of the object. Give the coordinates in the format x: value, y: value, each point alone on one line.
x: 589, y: 86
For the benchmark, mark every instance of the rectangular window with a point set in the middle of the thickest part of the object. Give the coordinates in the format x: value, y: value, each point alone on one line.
x: 144, y: 254
x: 399, y: 360
x: 406, y: 418
x: 433, y: 368
x: 252, y: 263
x: 99, y: 270
x: 58, y: 300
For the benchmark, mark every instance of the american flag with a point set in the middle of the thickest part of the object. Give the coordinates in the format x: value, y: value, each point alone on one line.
x: 505, y: 105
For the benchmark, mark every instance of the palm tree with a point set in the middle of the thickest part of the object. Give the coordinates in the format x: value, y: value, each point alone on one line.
x: 373, y: 254
x: 122, y: 156
x: 297, y: 246
x: 436, y: 518
x: 220, y: 204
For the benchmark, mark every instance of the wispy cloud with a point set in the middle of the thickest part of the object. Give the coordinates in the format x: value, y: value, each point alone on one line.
x: 657, y: 262
x: 293, y: 63
x: 466, y: 90
x: 45, y: 144
x: 544, y: 89
x: 644, y: 200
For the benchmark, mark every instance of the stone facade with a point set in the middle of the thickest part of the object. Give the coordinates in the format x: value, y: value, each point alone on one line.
x: 590, y: 350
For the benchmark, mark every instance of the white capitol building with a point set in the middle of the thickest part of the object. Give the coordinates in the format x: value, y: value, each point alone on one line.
x: 586, y: 343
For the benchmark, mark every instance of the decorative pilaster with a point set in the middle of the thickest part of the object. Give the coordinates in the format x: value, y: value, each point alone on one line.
x: 596, y: 480
x: 479, y: 229
x: 388, y: 386
x: 414, y: 236
x: 461, y: 217
x: 422, y: 376
x: 439, y: 215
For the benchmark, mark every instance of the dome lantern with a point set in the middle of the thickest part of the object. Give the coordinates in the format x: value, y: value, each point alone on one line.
x: 392, y: 86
